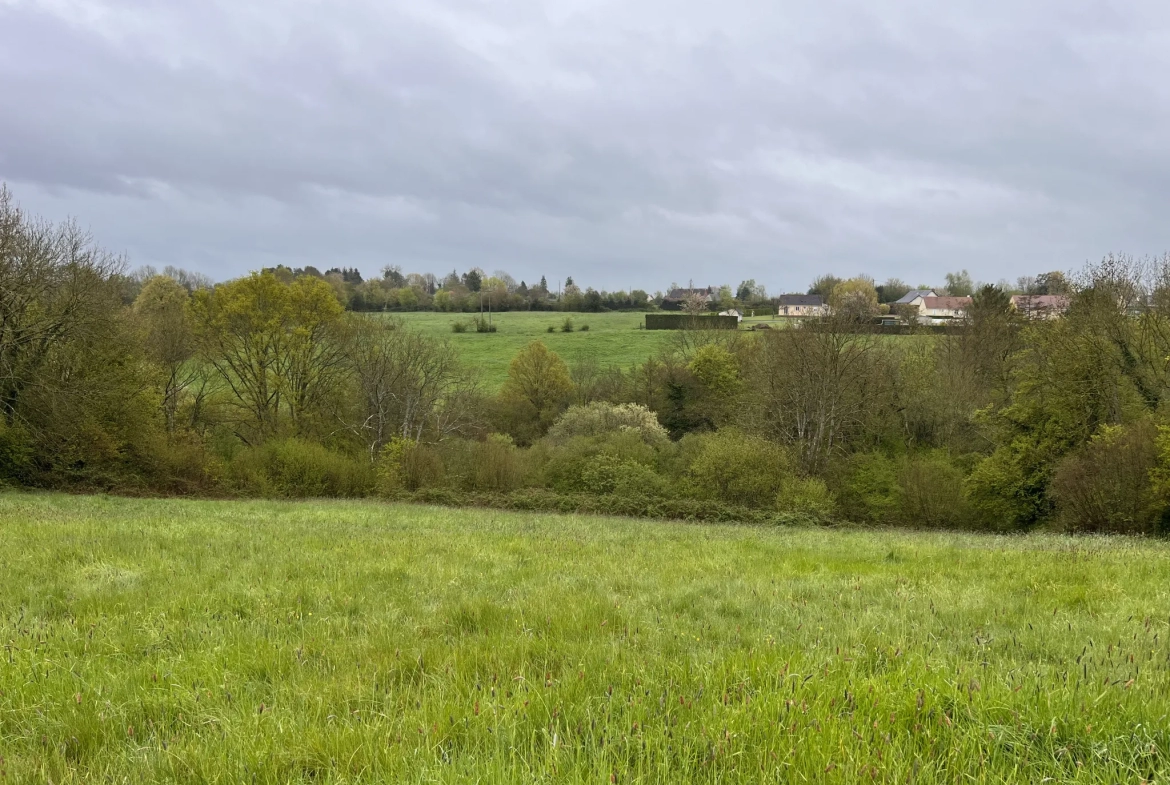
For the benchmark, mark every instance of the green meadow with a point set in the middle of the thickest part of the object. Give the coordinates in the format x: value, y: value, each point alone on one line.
x: 329, y: 642
x: 613, y: 339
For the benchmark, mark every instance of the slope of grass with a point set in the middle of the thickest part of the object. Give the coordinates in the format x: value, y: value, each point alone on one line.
x: 612, y: 338
x: 190, y: 641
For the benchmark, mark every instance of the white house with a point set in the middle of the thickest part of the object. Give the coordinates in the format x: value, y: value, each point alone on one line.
x: 800, y: 305
x: 937, y: 310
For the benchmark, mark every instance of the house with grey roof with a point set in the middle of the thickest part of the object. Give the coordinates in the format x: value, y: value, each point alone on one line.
x: 800, y: 305
x: 914, y: 294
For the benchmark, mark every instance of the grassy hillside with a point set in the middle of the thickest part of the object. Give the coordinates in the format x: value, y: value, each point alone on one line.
x: 612, y: 338
x: 191, y: 641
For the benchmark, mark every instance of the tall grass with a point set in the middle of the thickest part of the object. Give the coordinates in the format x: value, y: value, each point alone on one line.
x: 184, y: 641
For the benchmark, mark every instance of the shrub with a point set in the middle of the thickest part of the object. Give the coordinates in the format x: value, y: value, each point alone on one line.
x: 868, y: 489
x: 805, y: 496
x: 1008, y: 489
x: 609, y: 473
x: 567, y: 325
x: 613, y: 463
x: 1105, y: 486
x: 294, y: 468
x: 405, y: 465
x: 584, y: 328
x: 482, y: 325
x: 16, y: 452
x: 932, y: 491
x: 598, y: 419
x: 179, y: 463
x: 495, y: 465
x: 459, y: 326
x: 735, y: 468
x: 552, y: 328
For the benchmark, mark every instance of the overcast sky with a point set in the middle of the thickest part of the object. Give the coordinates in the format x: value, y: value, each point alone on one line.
x: 624, y: 142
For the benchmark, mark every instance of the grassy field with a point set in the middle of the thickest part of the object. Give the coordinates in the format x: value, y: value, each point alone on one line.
x: 612, y: 338
x: 224, y: 642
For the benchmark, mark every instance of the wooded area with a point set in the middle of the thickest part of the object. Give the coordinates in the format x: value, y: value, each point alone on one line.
x: 266, y: 385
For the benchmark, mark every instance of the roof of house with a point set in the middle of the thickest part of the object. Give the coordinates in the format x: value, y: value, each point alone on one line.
x: 678, y: 294
x: 914, y: 294
x: 814, y: 300
x: 1055, y: 302
x: 947, y: 303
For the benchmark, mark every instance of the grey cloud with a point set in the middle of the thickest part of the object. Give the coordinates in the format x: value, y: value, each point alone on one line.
x: 625, y: 143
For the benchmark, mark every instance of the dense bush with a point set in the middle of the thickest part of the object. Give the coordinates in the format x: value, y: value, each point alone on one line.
x: 16, y: 453
x: 294, y: 468
x: 806, y: 496
x: 406, y: 465
x: 868, y: 489
x: 179, y: 463
x: 1106, y: 485
x: 598, y: 419
x: 494, y: 464
x: 619, y: 462
x: 932, y: 492
x: 1008, y: 490
x: 733, y: 467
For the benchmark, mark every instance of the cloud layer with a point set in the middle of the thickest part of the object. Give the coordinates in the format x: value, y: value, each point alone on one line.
x: 624, y: 143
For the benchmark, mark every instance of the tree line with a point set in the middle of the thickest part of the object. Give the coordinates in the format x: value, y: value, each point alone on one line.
x: 267, y: 385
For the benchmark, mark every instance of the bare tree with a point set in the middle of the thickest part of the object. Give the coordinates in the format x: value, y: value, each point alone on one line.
x: 55, y: 289
x: 812, y: 387
x: 411, y: 386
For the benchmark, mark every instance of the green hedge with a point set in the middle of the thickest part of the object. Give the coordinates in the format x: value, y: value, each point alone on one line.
x: 683, y: 321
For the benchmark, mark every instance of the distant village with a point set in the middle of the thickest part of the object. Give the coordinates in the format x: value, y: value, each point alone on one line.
x: 921, y: 306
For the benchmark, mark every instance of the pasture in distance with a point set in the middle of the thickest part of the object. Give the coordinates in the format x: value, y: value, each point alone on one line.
x: 613, y: 338
x: 198, y: 641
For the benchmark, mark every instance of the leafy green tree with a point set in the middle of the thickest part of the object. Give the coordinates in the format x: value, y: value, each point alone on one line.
x: 168, y: 335
x: 824, y: 285
x: 277, y: 347
x: 592, y: 301
x: 959, y: 284
x: 537, y: 390
x: 472, y: 279
x: 855, y: 299
x: 892, y: 290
